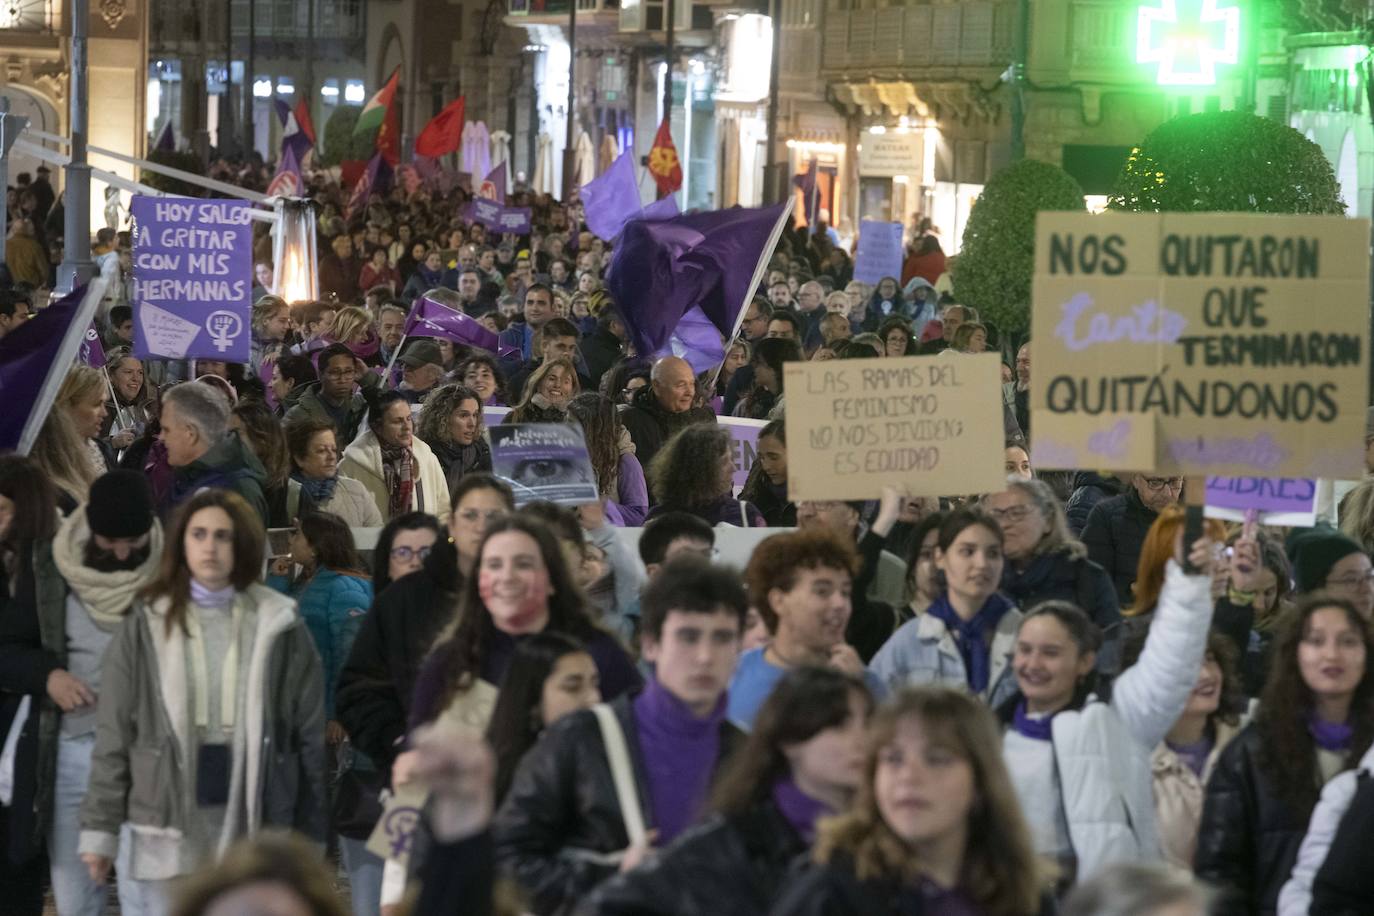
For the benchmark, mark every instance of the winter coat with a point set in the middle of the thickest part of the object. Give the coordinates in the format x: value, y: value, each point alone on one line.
x: 1332, y: 876
x: 377, y: 682
x: 560, y: 827
x: 351, y: 502
x: 458, y: 461
x: 1089, y: 489
x: 230, y: 464
x: 143, y: 771
x: 923, y: 652
x: 1179, y: 794
x: 1249, y: 837
x: 651, y: 426
x: 1102, y: 750
x: 601, y: 350
x: 726, y: 866
x: 1114, y: 536
x: 308, y: 405
x: 363, y: 462
x: 1063, y: 577
x: 333, y: 605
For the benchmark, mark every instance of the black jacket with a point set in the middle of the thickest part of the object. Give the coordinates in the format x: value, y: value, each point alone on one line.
x: 1058, y: 576
x: 600, y: 351
x: 1344, y: 885
x: 1248, y: 838
x: 1089, y: 489
x: 563, y: 801
x: 731, y: 866
x: 835, y: 890
x: 460, y: 460
x: 650, y: 426
x: 1114, y: 535
x: 375, y: 686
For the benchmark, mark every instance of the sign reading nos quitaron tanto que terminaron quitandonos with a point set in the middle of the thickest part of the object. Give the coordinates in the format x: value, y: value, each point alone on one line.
x: 1209, y: 344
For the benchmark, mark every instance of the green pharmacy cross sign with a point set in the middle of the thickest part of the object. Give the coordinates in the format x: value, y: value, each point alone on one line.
x: 1187, y: 39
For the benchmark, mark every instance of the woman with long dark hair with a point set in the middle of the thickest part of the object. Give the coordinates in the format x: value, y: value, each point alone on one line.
x: 695, y: 472
x: 207, y: 672
x: 399, y: 470
x: 936, y: 827
x: 766, y: 486
x: 802, y: 761
x: 1315, y: 720
x: 766, y: 400
x: 402, y: 546
x: 619, y: 477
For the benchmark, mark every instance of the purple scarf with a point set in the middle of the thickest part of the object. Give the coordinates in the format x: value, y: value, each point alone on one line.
x: 1330, y: 736
x: 680, y: 754
x: 799, y: 809
x: 973, y: 637
x: 1037, y: 729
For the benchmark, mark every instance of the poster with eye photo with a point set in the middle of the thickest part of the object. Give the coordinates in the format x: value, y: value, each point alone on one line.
x: 544, y: 461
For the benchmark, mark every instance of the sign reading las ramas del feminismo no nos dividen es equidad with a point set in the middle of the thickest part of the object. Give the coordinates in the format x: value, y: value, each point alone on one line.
x: 1217, y: 344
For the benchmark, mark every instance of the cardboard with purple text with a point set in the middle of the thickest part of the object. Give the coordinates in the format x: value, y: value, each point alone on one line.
x: 1237, y: 342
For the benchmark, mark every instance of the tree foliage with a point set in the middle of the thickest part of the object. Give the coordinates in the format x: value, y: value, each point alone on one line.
x: 340, y: 143
x: 1227, y: 161
x: 994, y: 268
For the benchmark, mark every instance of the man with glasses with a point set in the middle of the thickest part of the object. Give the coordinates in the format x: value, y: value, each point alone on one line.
x: 334, y: 397
x: 1116, y: 527
x: 1326, y: 560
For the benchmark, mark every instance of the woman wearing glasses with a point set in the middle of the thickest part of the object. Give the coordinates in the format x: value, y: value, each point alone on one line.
x: 1043, y: 560
x: 1116, y: 528
x: 377, y: 682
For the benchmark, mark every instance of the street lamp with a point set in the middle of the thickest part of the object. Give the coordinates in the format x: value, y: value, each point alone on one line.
x: 295, y: 278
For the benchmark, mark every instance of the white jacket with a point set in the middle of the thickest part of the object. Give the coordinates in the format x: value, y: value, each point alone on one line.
x: 922, y: 652
x: 363, y: 462
x: 1296, y: 897
x: 1103, y: 751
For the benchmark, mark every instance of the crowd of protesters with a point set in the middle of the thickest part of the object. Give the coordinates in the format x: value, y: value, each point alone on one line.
x: 1023, y: 702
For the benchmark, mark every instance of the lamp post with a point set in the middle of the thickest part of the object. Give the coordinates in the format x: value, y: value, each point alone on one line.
x: 569, y: 154
x: 295, y: 276
x: 76, y: 267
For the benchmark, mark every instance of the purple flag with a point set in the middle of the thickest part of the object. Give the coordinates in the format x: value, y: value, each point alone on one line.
x: 92, y: 351
x: 433, y: 319
x: 663, y: 208
x: 714, y: 261
x: 292, y: 137
x: 193, y: 278
x: 373, y: 181
x: 696, y: 340
x: 611, y: 199
x: 28, y: 356
x: 288, y: 181
x: 493, y: 187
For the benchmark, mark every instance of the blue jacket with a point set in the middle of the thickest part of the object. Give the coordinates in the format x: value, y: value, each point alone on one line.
x: 333, y: 605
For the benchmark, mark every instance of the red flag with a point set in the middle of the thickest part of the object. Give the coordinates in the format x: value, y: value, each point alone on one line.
x: 302, y: 113
x: 389, y: 137
x: 663, y: 161
x: 444, y: 132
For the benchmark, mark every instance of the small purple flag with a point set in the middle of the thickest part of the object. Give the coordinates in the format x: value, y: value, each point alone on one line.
x: 611, y: 199
x: 28, y: 356
x: 92, y: 351
x: 712, y: 261
x: 493, y: 187
x: 288, y: 181
x: 433, y: 319
x: 696, y: 340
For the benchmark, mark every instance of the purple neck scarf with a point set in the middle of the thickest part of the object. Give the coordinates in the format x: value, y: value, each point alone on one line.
x: 799, y: 809
x: 1330, y: 736
x: 1037, y: 729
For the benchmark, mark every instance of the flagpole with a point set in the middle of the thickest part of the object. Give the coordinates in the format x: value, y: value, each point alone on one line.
x: 386, y: 377
x: 759, y: 270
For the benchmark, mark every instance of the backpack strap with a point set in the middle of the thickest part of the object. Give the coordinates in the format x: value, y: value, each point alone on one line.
x: 619, y: 756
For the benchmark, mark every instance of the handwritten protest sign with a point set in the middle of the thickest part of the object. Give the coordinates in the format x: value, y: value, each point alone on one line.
x: 544, y: 461
x: 880, y: 251
x: 193, y: 278
x: 498, y: 218
x: 932, y: 424
x: 1239, y: 342
x: 1279, y: 501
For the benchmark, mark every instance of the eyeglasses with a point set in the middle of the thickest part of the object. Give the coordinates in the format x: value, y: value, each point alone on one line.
x: 340, y: 373
x: 472, y: 516
x: 1159, y: 483
x: 406, y: 554
x: 1352, y: 582
x: 1013, y: 514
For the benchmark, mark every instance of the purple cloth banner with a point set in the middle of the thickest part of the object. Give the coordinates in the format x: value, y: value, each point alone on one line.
x: 544, y: 461
x: 493, y: 187
x: 880, y: 252
x: 432, y: 319
x: 28, y: 354
x: 193, y: 278
x: 92, y: 351
x: 663, y: 208
x: 611, y: 199
x: 1264, y: 494
x: 696, y: 340
x: 498, y: 218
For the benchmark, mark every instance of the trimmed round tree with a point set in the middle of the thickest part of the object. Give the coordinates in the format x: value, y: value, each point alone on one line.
x: 994, y: 268
x: 1227, y: 161
x: 340, y: 143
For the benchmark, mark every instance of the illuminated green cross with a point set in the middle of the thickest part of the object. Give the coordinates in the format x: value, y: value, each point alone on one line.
x: 1187, y: 39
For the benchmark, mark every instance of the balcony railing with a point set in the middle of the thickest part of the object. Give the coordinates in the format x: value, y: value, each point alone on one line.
x: 557, y: 7
x: 289, y: 20
x: 977, y: 34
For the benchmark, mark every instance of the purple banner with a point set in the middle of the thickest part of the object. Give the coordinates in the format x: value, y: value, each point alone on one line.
x: 879, y: 253
x: 1264, y: 494
x: 744, y: 445
x: 193, y: 278
x: 544, y: 461
x: 498, y: 218
x: 92, y: 351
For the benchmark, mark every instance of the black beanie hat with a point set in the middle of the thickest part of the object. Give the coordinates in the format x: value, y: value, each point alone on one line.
x: 121, y: 505
x: 1314, y: 552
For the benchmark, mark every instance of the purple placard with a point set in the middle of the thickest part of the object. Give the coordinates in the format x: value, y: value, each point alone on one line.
x: 744, y: 445
x: 1264, y: 494
x: 544, y: 461
x: 498, y: 218
x: 193, y: 278
x: 880, y: 251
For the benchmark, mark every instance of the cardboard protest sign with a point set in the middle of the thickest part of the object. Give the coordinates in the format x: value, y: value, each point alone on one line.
x: 879, y: 253
x: 544, y: 461
x: 931, y: 424
x: 193, y: 278
x: 1279, y: 501
x: 1239, y: 342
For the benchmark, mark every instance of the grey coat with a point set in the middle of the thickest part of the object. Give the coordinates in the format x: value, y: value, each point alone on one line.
x: 142, y: 770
